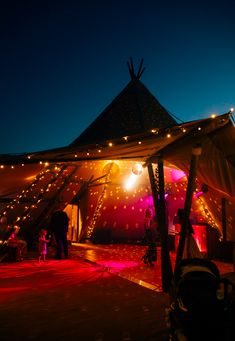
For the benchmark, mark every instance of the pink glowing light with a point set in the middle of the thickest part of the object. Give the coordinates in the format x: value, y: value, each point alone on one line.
x: 196, y: 195
x: 200, y: 237
x: 177, y: 174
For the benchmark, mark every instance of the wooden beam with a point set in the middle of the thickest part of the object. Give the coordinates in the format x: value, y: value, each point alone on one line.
x: 158, y: 192
x: 196, y: 152
x: 153, y: 188
x: 167, y: 272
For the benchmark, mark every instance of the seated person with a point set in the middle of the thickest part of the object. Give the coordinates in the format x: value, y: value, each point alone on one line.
x: 20, y: 244
x: 4, y: 229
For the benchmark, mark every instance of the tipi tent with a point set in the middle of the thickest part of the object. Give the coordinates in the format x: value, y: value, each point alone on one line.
x: 134, y: 111
x: 92, y: 176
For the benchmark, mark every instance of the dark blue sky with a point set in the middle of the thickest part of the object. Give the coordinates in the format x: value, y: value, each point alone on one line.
x: 63, y: 62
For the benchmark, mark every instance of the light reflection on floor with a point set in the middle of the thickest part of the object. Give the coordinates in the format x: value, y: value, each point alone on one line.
x: 125, y: 261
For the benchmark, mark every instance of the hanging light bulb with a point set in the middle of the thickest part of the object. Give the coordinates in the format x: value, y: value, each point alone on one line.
x: 137, y: 169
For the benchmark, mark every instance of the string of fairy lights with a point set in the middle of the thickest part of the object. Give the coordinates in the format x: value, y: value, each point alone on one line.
x: 210, y: 219
x: 24, y: 197
x: 97, y: 212
x: 95, y: 151
x: 38, y: 192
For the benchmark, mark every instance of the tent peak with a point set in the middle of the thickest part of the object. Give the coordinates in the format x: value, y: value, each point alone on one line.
x: 135, y: 76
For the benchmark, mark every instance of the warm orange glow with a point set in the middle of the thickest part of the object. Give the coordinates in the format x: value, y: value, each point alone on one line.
x: 30, y: 178
x: 131, y: 181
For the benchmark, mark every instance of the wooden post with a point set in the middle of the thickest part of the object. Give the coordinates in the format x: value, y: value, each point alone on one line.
x: 163, y: 225
x: 196, y: 152
x: 153, y: 188
x: 224, y: 225
x: 160, y: 211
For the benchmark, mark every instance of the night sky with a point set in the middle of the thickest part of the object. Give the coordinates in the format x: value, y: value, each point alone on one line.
x: 63, y: 62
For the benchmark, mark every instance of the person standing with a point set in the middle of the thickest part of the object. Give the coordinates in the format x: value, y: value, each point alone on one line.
x: 148, y: 224
x: 59, y: 228
x: 42, y: 245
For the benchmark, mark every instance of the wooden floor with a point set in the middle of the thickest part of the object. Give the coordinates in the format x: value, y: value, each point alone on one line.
x: 125, y: 260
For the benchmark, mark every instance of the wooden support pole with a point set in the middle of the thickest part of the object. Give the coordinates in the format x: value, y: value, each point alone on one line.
x: 196, y: 152
x: 163, y: 225
x: 153, y: 188
x: 160, y: 211
x: 224, y: 225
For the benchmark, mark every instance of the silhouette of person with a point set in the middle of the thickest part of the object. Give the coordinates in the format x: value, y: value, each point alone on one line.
x: 59, y: 228
x: 148, y: 224
x: 4, y: 229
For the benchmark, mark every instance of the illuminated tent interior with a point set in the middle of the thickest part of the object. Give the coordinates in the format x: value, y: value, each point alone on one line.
x: 102, y: 181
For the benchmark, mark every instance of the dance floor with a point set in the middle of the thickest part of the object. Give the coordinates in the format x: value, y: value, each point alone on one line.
x: 125, y: 261
x: 102, y: 293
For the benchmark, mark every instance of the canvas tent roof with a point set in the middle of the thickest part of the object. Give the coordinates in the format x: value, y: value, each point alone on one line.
x: 216, y: 136
x: 134, y: 111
